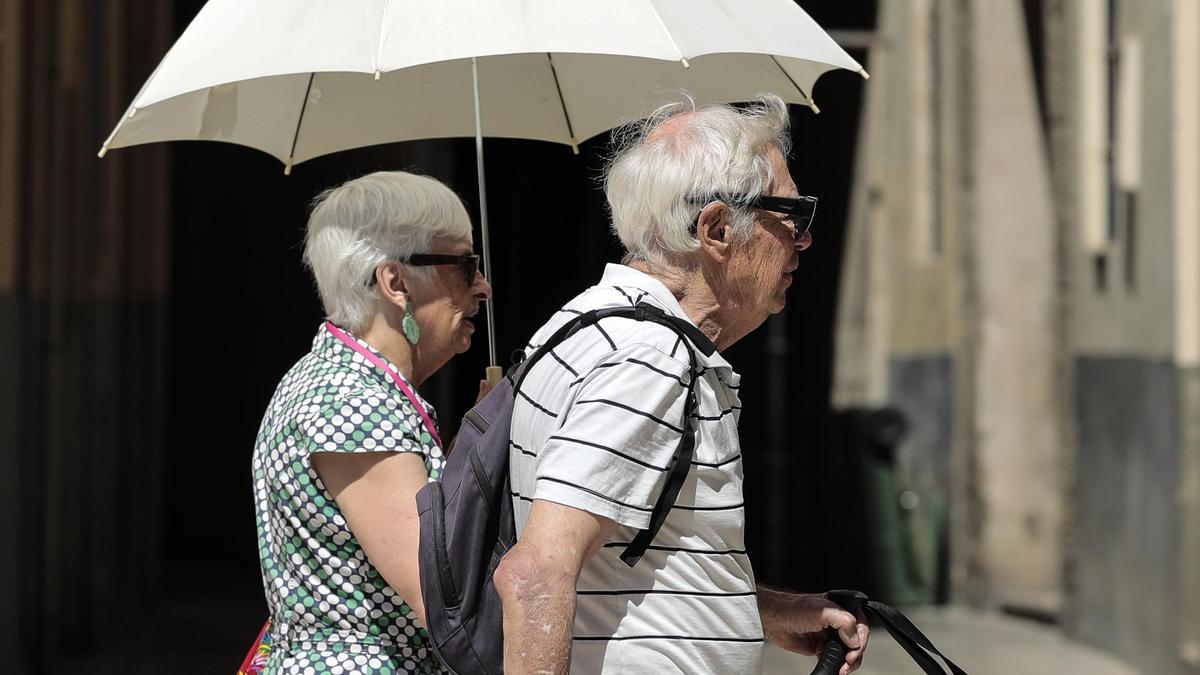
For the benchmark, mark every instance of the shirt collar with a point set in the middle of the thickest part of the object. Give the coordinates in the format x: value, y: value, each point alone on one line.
x: 329, y: 347
x: 623, y: 275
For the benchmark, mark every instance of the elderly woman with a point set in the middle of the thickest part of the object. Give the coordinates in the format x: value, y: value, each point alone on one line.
x: 347, y: 441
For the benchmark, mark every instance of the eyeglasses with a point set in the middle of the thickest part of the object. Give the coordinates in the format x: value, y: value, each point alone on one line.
x: 800, y: 210
x: 468, y: 265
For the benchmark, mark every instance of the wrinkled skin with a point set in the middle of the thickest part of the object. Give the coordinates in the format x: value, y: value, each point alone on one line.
x: 759, y: 272
x: 445, y: 306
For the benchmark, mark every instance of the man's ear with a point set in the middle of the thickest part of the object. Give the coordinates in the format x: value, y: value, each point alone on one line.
x: 392, y: 283
x: 713, y: 230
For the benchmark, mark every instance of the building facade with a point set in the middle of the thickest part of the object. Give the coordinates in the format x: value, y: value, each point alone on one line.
x: 1022, y: 280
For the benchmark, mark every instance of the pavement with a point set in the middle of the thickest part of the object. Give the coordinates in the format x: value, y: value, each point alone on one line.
x: 204, y: 633
x: 979, y: 642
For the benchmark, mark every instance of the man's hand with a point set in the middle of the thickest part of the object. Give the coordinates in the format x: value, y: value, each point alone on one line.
x: 797, y: 622
x: 536, y: 583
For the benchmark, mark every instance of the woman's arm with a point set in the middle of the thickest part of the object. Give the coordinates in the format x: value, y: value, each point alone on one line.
x: 377, y: 494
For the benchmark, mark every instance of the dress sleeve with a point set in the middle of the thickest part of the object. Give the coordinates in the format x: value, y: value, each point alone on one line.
x: 610, y: 454
x: 366, y: 421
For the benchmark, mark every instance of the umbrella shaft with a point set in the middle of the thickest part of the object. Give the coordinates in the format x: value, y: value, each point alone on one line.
x: 483, y: 217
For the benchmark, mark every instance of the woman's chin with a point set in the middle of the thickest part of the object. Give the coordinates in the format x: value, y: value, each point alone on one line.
x: 464, y: 341
x: 465, y: 331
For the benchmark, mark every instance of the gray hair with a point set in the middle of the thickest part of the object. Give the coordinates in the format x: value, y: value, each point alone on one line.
x: 386, y: 215
x: 716, y: 150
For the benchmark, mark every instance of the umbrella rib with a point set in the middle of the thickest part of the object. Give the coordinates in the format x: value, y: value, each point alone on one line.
x: 287, y: 170
x: 663, y: 23
x: 789, y: 78
x: 383, y: 25
x: 562, y: 102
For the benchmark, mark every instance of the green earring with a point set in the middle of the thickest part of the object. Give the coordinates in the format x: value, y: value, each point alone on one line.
x: 412, y: 332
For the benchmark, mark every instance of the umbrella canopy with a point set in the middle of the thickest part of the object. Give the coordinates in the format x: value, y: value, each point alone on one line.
x: 303, y: 78
x: 299, y: 79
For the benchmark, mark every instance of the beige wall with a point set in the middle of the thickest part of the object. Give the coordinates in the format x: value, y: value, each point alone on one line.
x: 922, y: 274
x: 1138, y: 319
x: 1045, y: 363
x: 1186, y: 173
x: 1013, y: 228
x: 980, y: 289
x: 895, y: 260
x: 1186, y: 79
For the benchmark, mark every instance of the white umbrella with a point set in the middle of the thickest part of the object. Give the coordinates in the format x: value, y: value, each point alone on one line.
x: 302, y: 78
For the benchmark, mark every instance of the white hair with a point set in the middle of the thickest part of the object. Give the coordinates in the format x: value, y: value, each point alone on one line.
x: 710, y: 151
x: 386, y: 215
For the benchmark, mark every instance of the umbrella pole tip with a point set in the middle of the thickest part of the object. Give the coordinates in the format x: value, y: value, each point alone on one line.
x: 813, y: 106
x: 103, y: 151
x: 574, y: 148
x: 685, y: 63
x: 864, y: 73
x: 287, y: 167
x: 132, y: 112
x: 378, y: 75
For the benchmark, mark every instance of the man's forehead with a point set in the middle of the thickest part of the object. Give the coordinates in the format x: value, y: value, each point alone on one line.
x: 450, y: 245
x: 782, y: 183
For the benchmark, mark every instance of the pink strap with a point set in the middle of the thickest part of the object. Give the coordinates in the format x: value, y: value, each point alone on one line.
x: 353, y: 344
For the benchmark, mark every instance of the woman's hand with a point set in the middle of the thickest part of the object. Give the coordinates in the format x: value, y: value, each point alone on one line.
x: 484, y: 388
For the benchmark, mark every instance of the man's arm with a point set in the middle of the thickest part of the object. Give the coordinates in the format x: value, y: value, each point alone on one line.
x: 797, y: 622
x: 377, y: 494
x: 536, y: 582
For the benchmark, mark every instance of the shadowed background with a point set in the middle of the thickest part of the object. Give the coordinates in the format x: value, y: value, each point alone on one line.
x: 983, y: 390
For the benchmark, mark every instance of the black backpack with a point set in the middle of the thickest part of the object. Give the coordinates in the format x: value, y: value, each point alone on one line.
x: 467, y: 520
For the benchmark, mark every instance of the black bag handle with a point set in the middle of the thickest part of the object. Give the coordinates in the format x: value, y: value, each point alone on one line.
x: 897, y: 625
x: 681, y: 461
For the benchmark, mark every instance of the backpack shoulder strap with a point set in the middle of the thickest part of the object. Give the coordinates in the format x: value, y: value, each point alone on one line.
x: 676, y: 475
x: 640, y: 312
x: 681, y: 462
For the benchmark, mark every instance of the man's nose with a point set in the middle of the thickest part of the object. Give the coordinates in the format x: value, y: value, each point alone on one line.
x: 483, y: 288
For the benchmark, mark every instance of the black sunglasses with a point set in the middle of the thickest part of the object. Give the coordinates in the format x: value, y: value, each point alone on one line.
x: 468, y: 265
x: 800, y: 210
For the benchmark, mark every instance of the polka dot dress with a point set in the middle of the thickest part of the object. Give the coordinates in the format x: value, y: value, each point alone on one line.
x: 331, y: 610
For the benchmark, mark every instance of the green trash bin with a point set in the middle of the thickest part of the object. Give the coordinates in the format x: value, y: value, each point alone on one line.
x: 903, y: 527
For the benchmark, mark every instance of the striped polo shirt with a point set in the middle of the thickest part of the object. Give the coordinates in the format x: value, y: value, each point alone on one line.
x: 595, y: 426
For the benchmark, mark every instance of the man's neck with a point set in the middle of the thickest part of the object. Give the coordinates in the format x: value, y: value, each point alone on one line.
x: 698, y: 300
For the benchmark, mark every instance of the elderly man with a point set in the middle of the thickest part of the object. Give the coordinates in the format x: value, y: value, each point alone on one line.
x: 712, y: 224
